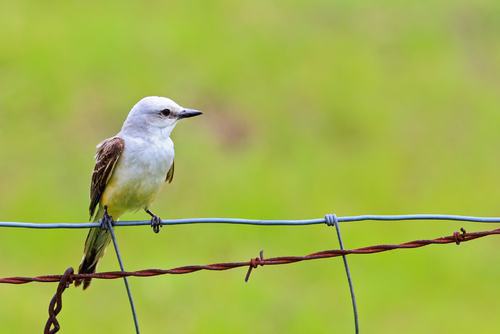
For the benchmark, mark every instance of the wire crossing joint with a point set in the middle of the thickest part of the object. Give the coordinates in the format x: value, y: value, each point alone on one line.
x: 332, y: 220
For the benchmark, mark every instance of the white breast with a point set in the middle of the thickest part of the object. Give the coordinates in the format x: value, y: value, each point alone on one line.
x: 140, y: 173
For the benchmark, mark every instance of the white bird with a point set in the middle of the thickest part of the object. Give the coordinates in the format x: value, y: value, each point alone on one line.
x: 130, y: 170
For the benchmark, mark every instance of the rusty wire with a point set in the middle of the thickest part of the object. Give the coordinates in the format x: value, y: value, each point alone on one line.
x: 55, y: 306
x: 456, y: 237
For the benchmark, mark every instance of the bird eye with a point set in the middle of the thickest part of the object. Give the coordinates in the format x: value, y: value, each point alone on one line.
x: 165, y: 112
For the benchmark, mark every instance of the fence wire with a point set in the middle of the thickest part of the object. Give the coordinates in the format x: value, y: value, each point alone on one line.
x: 456, y: 237
x: 260, y: 222
x: 55, y: 306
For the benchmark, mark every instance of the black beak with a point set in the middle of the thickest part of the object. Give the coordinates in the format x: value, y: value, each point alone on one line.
x: 186, y: 113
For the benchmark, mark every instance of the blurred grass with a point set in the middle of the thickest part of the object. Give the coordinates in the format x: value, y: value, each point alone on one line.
x: 310, y: 107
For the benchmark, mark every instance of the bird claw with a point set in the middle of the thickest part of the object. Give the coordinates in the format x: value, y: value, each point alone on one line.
x: 156, y: 223
x: 106, y: 218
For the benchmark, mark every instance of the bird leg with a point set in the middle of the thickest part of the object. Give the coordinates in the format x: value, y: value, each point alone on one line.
x: 155, y: 221
x: 106, y: 218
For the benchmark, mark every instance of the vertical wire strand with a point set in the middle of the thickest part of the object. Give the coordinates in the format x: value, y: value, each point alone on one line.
x: 130, y: 298
x: 332, y: 220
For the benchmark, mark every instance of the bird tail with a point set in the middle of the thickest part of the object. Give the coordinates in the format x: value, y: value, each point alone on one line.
x: 95, y: 245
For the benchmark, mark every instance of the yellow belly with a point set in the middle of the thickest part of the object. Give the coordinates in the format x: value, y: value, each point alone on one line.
x: 133, y: 195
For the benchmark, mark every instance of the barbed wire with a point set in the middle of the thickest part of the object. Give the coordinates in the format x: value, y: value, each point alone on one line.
x: 456, y: 237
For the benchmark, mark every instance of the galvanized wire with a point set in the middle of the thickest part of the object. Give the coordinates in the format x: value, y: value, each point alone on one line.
x: 332, y: 220
x: 260, y: 222
x: 109, y: 226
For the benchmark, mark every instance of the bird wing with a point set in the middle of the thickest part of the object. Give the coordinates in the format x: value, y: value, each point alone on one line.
x: 170, y: 173
x: 108, y: 153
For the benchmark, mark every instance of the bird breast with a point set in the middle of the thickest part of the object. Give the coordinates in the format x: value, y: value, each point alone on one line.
x: 139, y: 174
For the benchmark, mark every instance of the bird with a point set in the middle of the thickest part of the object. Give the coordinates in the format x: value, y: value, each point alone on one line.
x: 130, y: 169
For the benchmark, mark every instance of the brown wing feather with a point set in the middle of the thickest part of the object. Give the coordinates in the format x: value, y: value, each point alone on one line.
x: 108, y: 153
x: 170, y: 173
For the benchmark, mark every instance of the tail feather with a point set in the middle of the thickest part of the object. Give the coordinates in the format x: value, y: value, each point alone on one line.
x: 88, y: 266
x: 95, y: 245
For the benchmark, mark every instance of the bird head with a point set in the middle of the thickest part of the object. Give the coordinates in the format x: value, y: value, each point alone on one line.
x: 158, y: 112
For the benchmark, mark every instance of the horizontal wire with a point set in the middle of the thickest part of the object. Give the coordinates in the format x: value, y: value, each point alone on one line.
x: 456, y: 237
x: 260, y: 222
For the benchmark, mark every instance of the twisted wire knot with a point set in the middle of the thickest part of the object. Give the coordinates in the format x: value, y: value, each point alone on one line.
x: 459, y: 237
x: 55, y: 305
x: 331, y: 219
x: 254, y: 263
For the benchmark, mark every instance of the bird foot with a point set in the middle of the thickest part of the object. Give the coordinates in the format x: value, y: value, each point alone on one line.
x: 156, y: 223
x: 106, y: 218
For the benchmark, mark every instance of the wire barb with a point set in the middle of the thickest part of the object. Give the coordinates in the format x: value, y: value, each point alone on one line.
x: 254, y: 263
x: 459, y: 237
x: 55, y: 305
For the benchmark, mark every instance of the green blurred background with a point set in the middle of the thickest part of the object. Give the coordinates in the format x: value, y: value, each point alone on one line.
x: 311, y: 107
